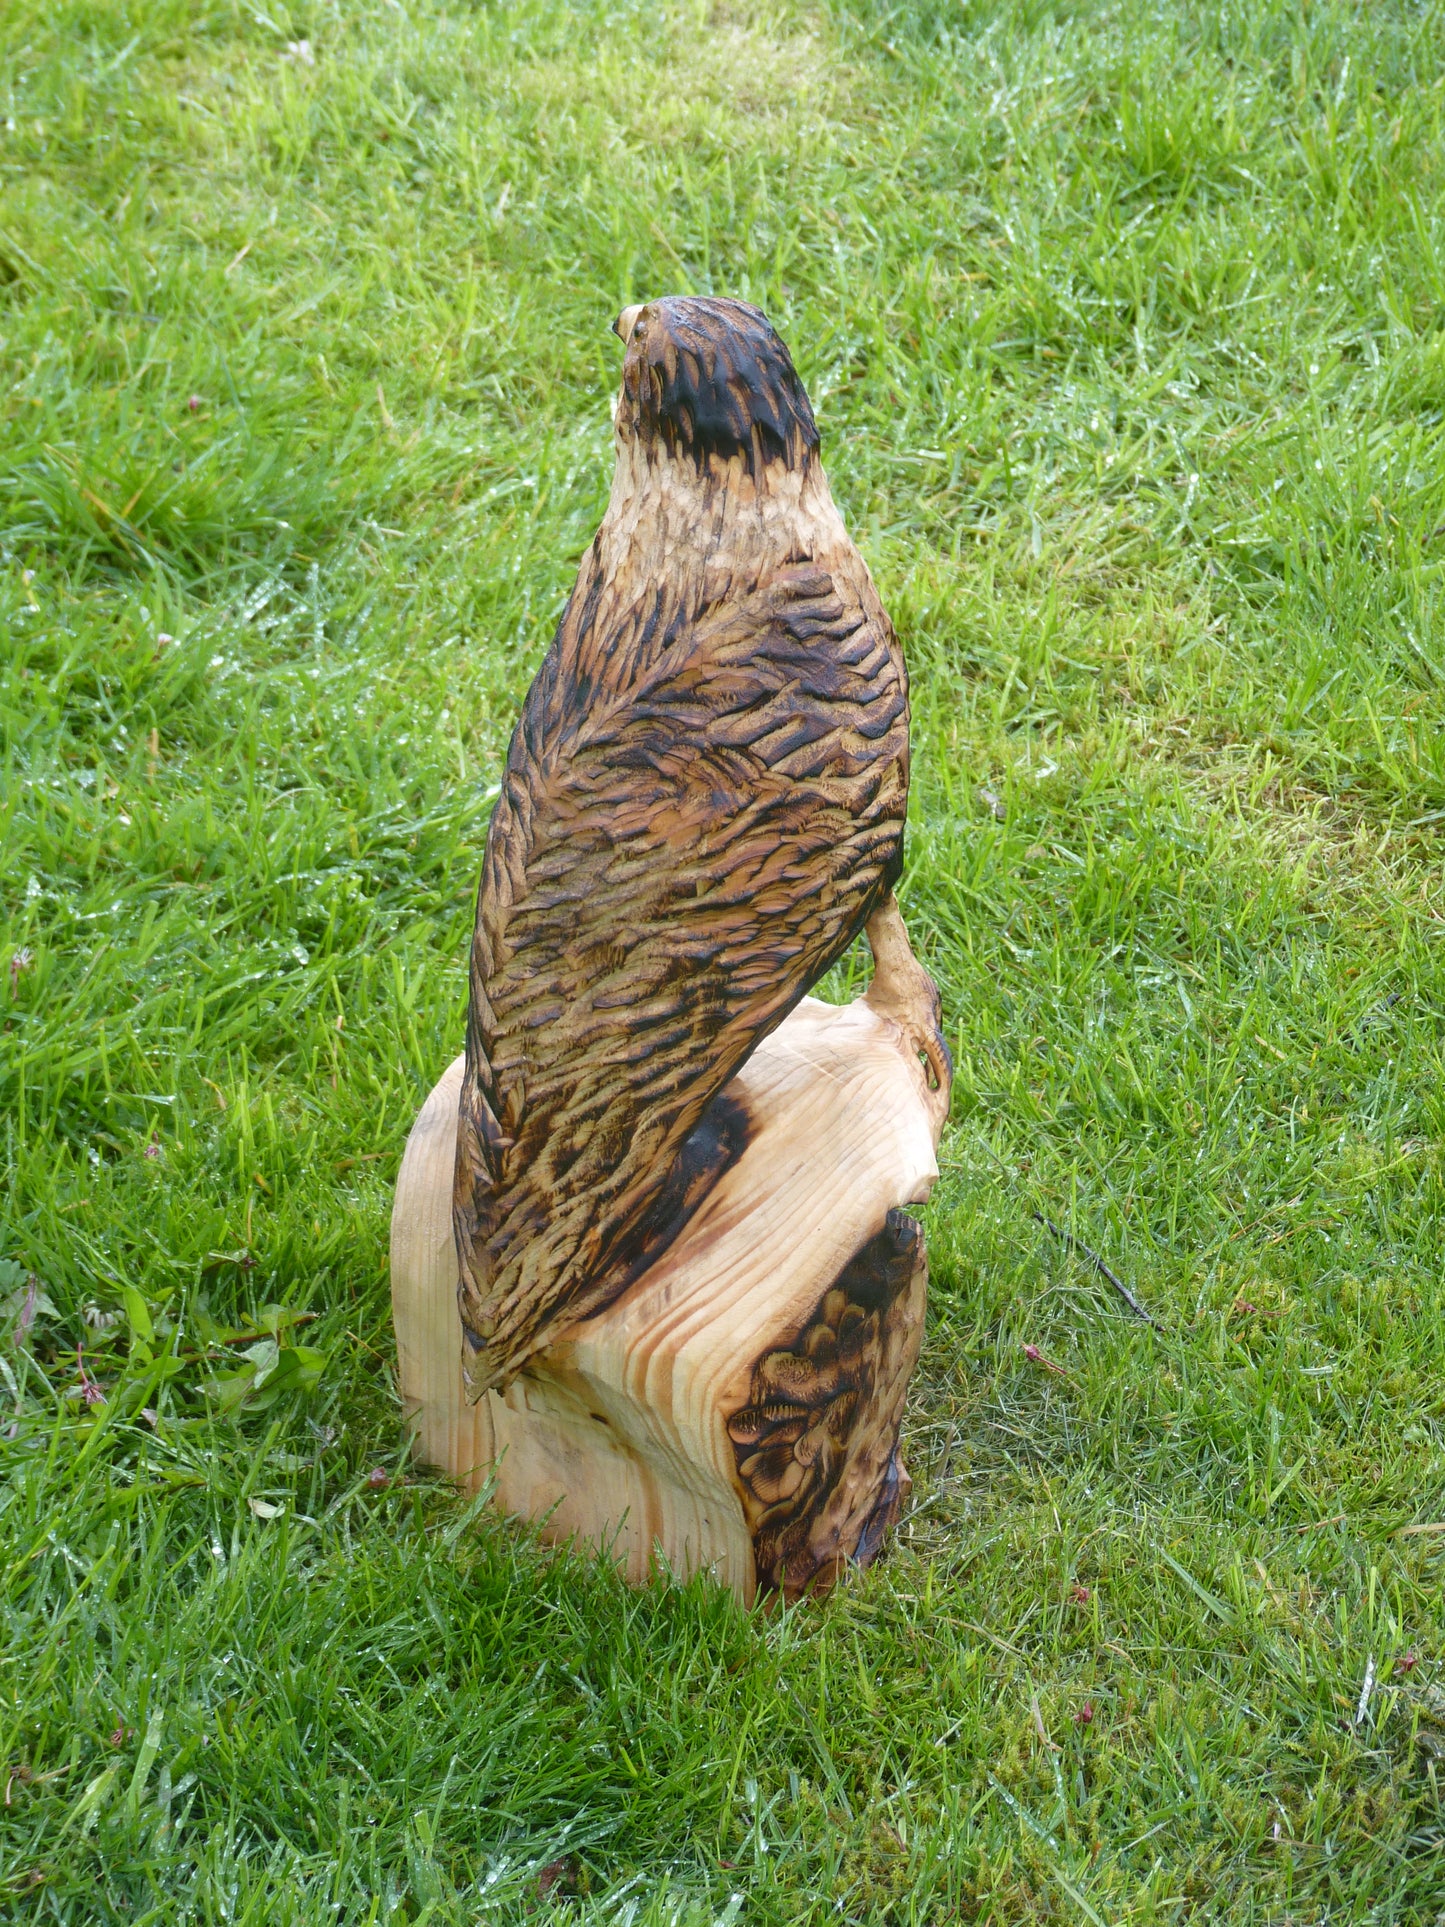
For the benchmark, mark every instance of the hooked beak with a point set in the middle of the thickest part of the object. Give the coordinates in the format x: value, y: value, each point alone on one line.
x: 624, y: 324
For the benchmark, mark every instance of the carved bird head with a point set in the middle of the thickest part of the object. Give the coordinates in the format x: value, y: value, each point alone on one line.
x: 710, y: 378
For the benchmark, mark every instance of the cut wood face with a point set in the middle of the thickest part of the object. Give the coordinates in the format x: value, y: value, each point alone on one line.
x: 817, y: 1442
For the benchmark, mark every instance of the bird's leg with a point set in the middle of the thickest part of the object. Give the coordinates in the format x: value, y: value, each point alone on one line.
x: 903, y: 990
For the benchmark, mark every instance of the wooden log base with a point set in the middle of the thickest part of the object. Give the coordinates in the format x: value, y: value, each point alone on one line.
x: 736, y: 1410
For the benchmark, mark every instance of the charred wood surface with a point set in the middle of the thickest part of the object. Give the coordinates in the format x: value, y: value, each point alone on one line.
x: 817, y: 1443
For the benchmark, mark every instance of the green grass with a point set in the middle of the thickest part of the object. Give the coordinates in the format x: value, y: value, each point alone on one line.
x: 1126, y: 330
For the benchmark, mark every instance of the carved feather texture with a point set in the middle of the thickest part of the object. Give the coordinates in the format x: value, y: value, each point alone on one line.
x: 817, y: 1443
x: 703, y: 802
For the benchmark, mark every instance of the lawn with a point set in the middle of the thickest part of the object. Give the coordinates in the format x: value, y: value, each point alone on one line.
x: 1125, y: 326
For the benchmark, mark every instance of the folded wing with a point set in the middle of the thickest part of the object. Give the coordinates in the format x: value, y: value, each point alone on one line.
x: 679, y: 852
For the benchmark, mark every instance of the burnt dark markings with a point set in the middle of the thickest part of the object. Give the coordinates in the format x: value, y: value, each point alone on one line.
x: 799, y: 1433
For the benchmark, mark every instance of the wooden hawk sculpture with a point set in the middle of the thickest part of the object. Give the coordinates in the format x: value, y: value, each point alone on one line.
x: 703, y: 805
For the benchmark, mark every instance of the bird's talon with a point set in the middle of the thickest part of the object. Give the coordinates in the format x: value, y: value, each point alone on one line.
x: 936, y: 1059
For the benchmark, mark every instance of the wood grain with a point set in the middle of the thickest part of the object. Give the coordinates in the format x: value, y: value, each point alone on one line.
x: 617, y: 1432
